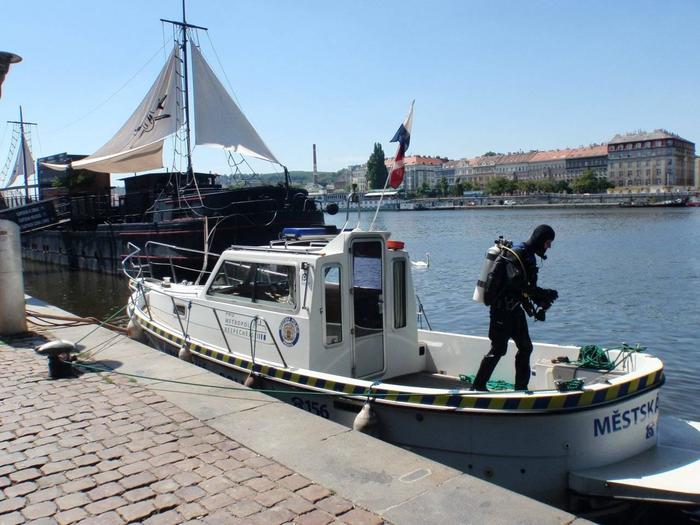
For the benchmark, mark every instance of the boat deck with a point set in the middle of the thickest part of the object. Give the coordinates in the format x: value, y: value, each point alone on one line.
x: 430, y: 380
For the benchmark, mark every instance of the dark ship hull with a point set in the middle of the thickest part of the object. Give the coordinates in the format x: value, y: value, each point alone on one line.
x: 207, y: 218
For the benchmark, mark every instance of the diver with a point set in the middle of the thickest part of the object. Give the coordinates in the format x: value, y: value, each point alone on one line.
x: 511, y: 291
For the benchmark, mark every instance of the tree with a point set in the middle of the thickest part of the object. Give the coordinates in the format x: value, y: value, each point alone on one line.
x: 423, y: 189
x: 458, y: 189
x: 590, y: 182
x: 376, y: 169
x: 500, y: 186
x: 562, y: 186
x: 443, y: 186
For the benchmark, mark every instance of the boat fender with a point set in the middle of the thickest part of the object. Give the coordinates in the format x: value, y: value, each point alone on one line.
x: 367, y: 421
x: 135, y: 332
x: 489, y: 263
x: 185, y: 354
x: 251, y: 381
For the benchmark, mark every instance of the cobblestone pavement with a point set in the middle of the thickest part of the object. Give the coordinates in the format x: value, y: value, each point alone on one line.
x: 94, y: 450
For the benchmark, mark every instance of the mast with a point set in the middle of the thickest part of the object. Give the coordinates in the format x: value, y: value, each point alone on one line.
x: 23, y: 145
x: 186, y: 89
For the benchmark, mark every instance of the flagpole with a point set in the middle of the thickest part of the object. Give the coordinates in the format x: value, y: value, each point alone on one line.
x: 407, y: 122
x: 381, y: 197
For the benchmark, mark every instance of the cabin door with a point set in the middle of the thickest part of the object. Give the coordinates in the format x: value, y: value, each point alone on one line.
x: 368, y: 308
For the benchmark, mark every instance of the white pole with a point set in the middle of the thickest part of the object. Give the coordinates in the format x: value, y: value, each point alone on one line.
x: 381, y: 197
x: 13, y: 319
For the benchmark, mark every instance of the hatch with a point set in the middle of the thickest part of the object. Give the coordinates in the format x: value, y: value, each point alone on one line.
x: 668, y: 472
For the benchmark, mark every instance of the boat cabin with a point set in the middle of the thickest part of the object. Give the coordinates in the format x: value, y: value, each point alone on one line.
x: 340, y: 304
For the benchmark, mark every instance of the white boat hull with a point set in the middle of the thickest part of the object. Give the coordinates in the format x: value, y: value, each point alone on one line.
x: 530, y: 453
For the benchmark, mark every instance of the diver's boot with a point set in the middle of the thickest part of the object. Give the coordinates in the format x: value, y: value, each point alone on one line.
x: 522, y: 371
x: 488, y: 363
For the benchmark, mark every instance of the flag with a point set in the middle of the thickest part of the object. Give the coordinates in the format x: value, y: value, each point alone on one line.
x: 403, y: 137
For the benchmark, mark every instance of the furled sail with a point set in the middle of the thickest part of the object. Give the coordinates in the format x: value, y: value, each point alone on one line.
x: 138, y: 145
x: 218, y: 120
x: 22, y: 160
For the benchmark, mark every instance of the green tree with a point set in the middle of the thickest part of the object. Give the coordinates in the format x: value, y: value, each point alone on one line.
x: 527, y: 186
x: 562, y: 186
x: 458, y: 189
x: 376, y: 169
x: 589, y: 182
x: 546, y: 185
x: 443, y: 186
x: 500, y: 186
x: 423, y: 190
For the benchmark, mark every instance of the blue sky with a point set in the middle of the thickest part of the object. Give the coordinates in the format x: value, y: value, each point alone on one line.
x: 486, y: 75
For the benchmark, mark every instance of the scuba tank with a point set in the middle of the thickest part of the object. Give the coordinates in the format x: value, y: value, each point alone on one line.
x: 489, y: 263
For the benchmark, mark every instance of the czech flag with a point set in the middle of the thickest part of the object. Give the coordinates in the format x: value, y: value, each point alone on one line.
x: 403, y: 137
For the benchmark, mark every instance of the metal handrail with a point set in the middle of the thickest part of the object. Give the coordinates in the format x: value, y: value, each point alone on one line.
x: 145, y: 260
x: 128, y: 263
x: 252, y: 331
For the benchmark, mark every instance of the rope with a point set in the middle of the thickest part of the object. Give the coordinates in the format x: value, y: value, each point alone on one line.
x: 494, y: 384
x: 594, y: 356
x: 368, y: 392
x: 78, y: 321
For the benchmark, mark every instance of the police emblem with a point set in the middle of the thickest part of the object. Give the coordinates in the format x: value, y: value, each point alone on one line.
x: 289, y: 331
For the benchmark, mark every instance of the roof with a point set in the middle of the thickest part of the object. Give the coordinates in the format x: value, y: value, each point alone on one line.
x: 623, y: 138
x: 549, y: 156
x: 599, y: 150
x: 424, y: 161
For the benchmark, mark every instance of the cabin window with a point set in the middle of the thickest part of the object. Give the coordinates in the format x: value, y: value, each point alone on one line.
x: 333, y: 305
x: 256, y: 282
x: 400, y: 293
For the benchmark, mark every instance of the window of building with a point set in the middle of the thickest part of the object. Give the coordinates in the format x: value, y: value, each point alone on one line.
x: 333, y: 305
x: 255, y: 282
x: 399, y: 293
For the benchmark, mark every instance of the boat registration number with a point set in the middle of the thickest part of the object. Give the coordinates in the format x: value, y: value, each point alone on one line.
x: 311, y: 406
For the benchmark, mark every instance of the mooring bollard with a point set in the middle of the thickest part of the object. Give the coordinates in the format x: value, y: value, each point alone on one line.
x: 13, y: 319
x: 60, y: 359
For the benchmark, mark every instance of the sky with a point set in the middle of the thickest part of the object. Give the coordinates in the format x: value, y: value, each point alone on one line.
x: 485, y: 75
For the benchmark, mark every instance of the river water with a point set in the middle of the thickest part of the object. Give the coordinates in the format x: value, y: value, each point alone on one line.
x: 623, y: 275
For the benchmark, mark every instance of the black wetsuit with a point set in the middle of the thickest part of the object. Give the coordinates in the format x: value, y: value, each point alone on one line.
x: 507, y: 317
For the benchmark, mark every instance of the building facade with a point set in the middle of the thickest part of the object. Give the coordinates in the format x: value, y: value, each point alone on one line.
x: 593, y: 158
x: 651, y: 161
x: 420, y: 170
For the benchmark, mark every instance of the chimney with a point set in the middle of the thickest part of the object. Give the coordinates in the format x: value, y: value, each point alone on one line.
x: 315, y: 171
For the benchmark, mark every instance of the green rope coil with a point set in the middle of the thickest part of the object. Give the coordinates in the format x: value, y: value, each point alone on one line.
x: 597, y: 357
x: 593, y: 356
x: 494, y: 384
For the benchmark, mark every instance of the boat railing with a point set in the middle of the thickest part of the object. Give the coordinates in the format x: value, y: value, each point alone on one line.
x: 182, y: 312
x: 421, y: 314
x: 158, y: 259
x: 132, y: 265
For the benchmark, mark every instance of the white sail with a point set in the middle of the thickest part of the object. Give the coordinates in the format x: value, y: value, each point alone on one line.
x: 218, y: 120
x: 138, y: 145
x: 22, y: 160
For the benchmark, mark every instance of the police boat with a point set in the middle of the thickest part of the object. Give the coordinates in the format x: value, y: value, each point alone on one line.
x: 326, y: 319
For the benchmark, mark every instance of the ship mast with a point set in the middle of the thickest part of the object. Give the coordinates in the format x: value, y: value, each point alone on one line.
x: 23, y: 146
x: 185, y: 26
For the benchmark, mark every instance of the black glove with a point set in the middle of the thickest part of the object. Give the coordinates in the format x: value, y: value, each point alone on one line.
x: 544, y: 297
x: 540, y: 315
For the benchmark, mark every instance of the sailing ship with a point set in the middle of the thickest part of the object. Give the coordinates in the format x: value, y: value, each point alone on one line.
x: 186, y: 208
